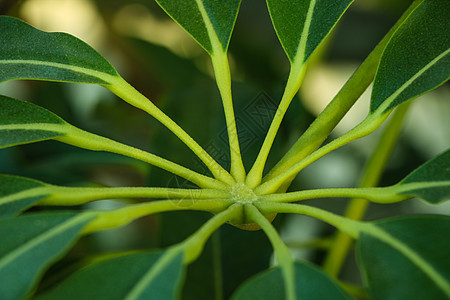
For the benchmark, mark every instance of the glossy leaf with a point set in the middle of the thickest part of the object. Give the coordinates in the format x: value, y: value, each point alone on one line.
x: 156, y: 275
x: 431, y: 181
x: 18, y: 194
x: 28, y: 53
x: 302, y: 25
x: 407, y: 258
x: 310, y: 283
x: 30, y: 243
x: 22, y: 122
x: 417, y: 58
x: 209, y: 22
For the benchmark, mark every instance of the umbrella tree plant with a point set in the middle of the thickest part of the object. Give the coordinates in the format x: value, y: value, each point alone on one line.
x: 403, y: 257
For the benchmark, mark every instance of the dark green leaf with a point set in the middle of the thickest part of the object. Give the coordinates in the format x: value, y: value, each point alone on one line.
x: 431, y: 181
x: 156, y: 275
x: 417, y: 58
x: 22, y: 122
x: 302, y: 25
x: 207, y: 21
x: 30, y: 243
x: 28, y: 53
x: 310, y: 283
x: 407, y: 258
x: 18, y: 194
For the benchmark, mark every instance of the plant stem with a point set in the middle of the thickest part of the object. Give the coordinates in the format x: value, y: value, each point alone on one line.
x: 282, y: 253
x: 378, y: 195
x: 105, y: 220
x: 322, y: 126
x: 372, y: 174
x: 76, y: 195
x: 86, y: 140
x: 351, y: 227
x: 295, y: 79
x: 223, y: 79
x: 193, y: 246
x: 367, y: 126
x: 128, y: 93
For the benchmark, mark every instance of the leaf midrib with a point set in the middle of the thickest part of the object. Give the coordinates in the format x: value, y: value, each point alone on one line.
x: 108, y: 78
x: 41, y: 238
x: 410, y: 254
x: 151, y: 274
x: 389, y: 100
x: 33, y: 192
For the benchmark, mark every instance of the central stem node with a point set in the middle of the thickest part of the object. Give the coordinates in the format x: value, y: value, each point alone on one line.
x: 243, y: 194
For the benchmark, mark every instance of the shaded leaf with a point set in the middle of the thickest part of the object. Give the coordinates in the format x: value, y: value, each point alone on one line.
x: 302, y: 25
x: 30, y: 243
x: 406, y: 258
x: 28, y: 53
x: 417, y: 58
x: 22, y: 122
x: 155, y: 275
x: 310, y: 283
x: 431, y: 181
x: 19, y: 193
x: 208, y: 21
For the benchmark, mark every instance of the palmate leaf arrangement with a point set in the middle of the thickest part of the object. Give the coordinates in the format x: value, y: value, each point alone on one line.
x: 399, y: 258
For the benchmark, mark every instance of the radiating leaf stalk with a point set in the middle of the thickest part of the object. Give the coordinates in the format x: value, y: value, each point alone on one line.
x: 80, y: 195
x: 366, y: 127
x: 106, y: 220
x: 129, y: 94
x: 86, y: 140
x: 351, y: 227
x: 223, y: 78
x: 193, y: 245
x: 282, y: 253
x: 295, y: 79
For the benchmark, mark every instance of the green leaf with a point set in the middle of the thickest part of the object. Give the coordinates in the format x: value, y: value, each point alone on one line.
x: 18, y: 194
x: 406, y: 258
x: 302, y: 25
x: 22, y: 122
x: 28, y: 53
x: 30, y: 243
x: 209, y: 22
x: 310, y: 283
x: 431, y: 181
x: 156, y: 275
x: 417, y: 58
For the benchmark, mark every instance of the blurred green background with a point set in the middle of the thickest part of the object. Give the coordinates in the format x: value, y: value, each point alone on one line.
x: 164, y: 63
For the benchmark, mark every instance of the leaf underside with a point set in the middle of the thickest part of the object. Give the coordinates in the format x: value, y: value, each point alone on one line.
x: 28, y: 53
x: 290, y: 18
x: 221, y: 14
x: 417, y: 58
x: 310, y: 283
x: 436, y: 174
x: 13, y: 196
x: 419, y: 270
x: 22, y: 122
x: 29, y: 244
x: 106, y: 280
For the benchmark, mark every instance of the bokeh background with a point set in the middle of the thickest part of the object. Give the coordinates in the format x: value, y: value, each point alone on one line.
x: 164, y: 63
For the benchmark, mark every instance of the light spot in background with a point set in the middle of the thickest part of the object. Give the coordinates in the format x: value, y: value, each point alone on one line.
x: 137, y: 21
x: 77, y: 17
x: 322, y: 82
x: 428, y: 123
